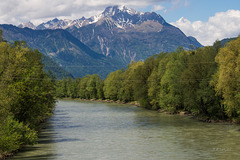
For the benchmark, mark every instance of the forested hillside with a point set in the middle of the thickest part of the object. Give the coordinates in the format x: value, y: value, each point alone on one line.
x: 204, y: 82
x: 26, y: 95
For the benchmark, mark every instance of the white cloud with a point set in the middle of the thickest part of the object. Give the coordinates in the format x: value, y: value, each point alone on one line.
x: 157, y: 8
x: 18, y: 11
x: 221, y: 25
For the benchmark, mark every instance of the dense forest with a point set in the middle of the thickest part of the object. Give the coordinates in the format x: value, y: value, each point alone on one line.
x: 204, y: 82
x: 26, y: 95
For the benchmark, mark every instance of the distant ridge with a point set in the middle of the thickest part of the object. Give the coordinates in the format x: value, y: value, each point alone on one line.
x: 226, y: 40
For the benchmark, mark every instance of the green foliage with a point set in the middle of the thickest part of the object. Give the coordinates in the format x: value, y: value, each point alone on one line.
x: 140, y: 86
x: 88, y: 87
x: 154, y: 81
x: 228, y: 76
x: 199, y: 95
x: 171, y: 97
x: 204, y: 82
x: 26, y: 95
x: 112, y: 85
x: 94, y: 87
x: 13, y: 134
x: 125, y: 93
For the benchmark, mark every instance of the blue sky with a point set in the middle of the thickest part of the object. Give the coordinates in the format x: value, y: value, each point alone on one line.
x: 197, y: 10
x: 207, y: 20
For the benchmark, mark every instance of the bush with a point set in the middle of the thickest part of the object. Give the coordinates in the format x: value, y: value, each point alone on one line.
x: 13, y: 134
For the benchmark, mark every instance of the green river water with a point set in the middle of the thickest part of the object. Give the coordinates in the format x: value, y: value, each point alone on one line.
x: 100, y: 131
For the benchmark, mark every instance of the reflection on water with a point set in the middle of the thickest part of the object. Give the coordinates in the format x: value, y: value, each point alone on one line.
x: 98, y: 131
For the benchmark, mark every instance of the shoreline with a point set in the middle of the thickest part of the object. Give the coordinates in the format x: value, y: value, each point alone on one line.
x: 200, y: 118
x: 9, y: 155
x: 103, y: 101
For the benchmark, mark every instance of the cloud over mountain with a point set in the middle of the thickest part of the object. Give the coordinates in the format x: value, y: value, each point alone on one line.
x: 221, y: 25
x: 19, y: 11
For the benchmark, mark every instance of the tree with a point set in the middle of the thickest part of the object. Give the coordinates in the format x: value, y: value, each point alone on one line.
x: 171, y: 97
x: 112, y: 85
x: 94, y: 87
x: 26, y: 95
x: 228, y: 77
x: 140, y: 85
x: 13, y: 134
x: 199, y: 95
x: 61, y: 88
x: 83, y: 88
x: 99, y: 87
x: 154, y: 79
x: 127, y: 80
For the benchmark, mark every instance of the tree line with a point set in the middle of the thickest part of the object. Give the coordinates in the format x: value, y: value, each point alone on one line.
x: 204, y: 82
x: 27, y: 95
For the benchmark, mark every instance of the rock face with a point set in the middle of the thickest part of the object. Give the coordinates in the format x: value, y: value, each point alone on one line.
x: 111, y: 39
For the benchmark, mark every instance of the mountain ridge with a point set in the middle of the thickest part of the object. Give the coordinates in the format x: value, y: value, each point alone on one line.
x: 118, y: 13
x: 66, y: 50
x: 111, y: 39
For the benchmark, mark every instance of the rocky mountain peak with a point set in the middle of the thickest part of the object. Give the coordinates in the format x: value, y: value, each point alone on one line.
x: 122, y: 17
x: 28, y: 25
x: 55, y: 24
x: 55, y: 20
x: 112, y: 10
x: 125, y: 18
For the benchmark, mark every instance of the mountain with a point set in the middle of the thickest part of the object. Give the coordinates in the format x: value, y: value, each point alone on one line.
x: 52, y: 67
x: 111, y: 39
x: 27, y: 25
x: 54, y: 24
x: 226, y: 40
x: 66, y: 50
x: 125, y: 34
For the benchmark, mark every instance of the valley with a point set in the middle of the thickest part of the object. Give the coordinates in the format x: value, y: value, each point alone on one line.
x: 102, y: 43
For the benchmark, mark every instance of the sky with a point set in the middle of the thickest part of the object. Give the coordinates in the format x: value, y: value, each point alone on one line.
x: 206, y: 20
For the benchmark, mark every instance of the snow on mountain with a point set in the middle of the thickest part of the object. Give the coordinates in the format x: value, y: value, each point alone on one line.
x: 121, y: 16
x: 54, y: 24
x: 112, y: 10
x: 28, y: 25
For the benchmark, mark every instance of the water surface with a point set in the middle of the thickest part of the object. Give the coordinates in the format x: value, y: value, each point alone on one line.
x: 100, y: 131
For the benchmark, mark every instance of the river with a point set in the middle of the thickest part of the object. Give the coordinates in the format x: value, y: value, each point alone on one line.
x: 100, y: 131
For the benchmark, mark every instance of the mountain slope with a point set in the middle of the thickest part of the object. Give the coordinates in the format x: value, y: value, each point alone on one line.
x: 55, y: 69
x: 104, y: 42
x: 125, y: 34
x: 226, y: 40
x: 63, y: 48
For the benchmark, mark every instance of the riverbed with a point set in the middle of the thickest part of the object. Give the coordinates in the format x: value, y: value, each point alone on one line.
x: 103, y: 131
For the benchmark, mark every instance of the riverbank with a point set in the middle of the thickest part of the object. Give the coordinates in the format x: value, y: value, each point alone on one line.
x: 199, y: 117
x: 10, y: 154
x: 135, y: 103
x: 182, y: 113
x: 6, y: 156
